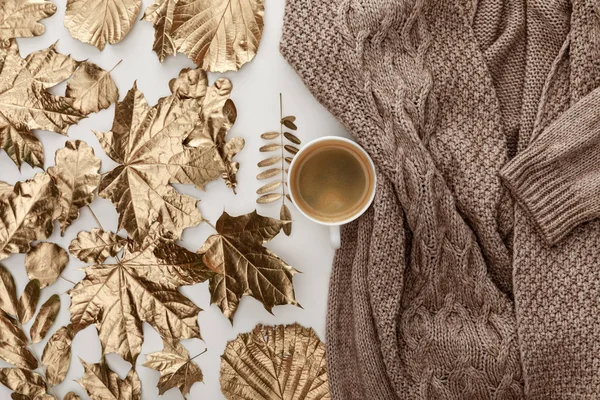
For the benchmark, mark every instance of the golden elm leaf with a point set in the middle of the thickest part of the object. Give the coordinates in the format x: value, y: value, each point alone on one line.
x: 101, y: 383
x: 91, y: 88
x: 71, y: 396
x: 160, y: 15
x: 26, y: 104
x: 20, y: 18
x: 218, y: 35
x: 8, y: 292
x: 269, y: 198
x: 100, y: 21
x: 45, y: 318
x: 116, y: 298
x: 45, y: 262
x: 275, y: 362
x: 13, y: 344
x: 77, y: 176
x: 28, y: 301
x: 175, y: 367
x: 96, y: 246
x: 246, y: 267
x: 57, y: 355
x: 23, y: 381
x: 285, y: 215
x: 27, y: 213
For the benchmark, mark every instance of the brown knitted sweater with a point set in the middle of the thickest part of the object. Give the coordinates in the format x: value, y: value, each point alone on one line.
x: 476, y: 272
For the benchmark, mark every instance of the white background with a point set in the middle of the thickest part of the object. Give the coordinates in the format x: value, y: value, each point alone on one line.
x: 256, y: 89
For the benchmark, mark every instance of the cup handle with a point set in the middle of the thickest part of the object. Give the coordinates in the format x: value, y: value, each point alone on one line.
x: 334, y: 237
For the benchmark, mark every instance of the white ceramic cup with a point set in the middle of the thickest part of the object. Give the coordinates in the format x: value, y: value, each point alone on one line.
x: 334, y: 227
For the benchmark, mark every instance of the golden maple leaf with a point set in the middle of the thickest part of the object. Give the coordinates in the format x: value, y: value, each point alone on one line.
x: 102, y: 383
x: 218, y: 35
x: 142, y: 286
x: 19, y: 18
x: 100, y: 21
x: 245, y: 266
x: 275, y: 362
x: 175, y: 367
x: 96, y: 246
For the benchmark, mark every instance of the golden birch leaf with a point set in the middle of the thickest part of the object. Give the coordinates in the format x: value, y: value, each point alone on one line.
x: 143, y: 140
x: 175, y: 367
x: 45, y: 318
x: 22, y: 381
x: 71, y: 396
x: 77, y: 176
x: 100, y: 21
x: 57, y: 355
x: 276, y: 363
x: 8, y: 292
x: 116, y: 298
x: 96, y: 246
x: 45, y: 262
x: 218, y: 35
x: 91, y: 88
x: 28, y: 301
x: 101, y: 383
x: 160, y: 15
x: 285, y: 215
x: 13, y: 344
x: 246, y: 267
x: 26, y: 104
x: 20, y: 18
x: 27, y: 213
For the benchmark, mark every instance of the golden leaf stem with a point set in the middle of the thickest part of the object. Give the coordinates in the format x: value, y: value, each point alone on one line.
x: 199, y: 354
x: 68, y: 280
x: 210, y: 224
x: 281, y: 139
x: 95, y: 217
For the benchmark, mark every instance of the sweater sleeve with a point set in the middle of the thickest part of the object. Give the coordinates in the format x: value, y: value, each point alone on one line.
x: 557, y: 178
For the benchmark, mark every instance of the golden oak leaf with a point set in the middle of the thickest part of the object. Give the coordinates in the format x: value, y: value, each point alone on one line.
x: 101, y: 383
x: 57, y: 355
x: 275, y: 362
x: 27, y: 213
x: 247, y: 267
x: 142, y: 286
x: 77, y: 176
x: 28, y: 301
x: 91, y: 88
x: 22, y: 381
x: 26, y: 104
x: 175, y: 367
x: 20, y: 18
x: 45, y: 262
x: 100, y: 21
x: 13, y: 344
x: 96, y: 246
x: 45, y: 318
x: 8, y: 292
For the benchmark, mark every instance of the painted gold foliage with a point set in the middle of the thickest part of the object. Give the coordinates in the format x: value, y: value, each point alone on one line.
x: 71, y: 396
x: 175, y: 367
x: 28, y: 301
x: 218, y: 35
x: 23, y: 382
x: 148, y: 143
x: 245, y: 266
x: 77, y: 176
x: 20, y: 18
x: 101, y: 383
x: 26, y: 214
x: 57, y: 355
x: 45, y: 262
x: 142, y: 286
x: 100, y: 21
x: 96, y: 246
x: 92, y: 88
x: 45, y: 318
x: 275, y: 362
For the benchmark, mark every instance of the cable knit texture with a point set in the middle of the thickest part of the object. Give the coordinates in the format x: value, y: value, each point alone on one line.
x: 476, y: 272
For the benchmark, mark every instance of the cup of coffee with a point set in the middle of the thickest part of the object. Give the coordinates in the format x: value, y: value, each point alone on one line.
x: 332, y: 182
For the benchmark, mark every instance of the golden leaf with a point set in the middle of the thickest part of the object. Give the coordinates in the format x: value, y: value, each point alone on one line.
x: 270, y: 135
x: 71, y: 396
x: 275, y: 362
x: 26, y: 104
x: 96, y: 246
x: 288, y: 122
x: 218, y: 35
x: 269, y: 187
x: 8, y: 292
x: 77, y: 176
x: 291, y: 149
x: 27, y: 213
x: 140, y: 287
x: 269, y: 173
x: 245, y: 266
x: 267, y: 162
x: 269, y: 198
x: 292, y: 138
x: 19, y: 18
x: 45, y: 318
x: 175, y: 367
x: 285, y: 215
x: 22, y: 381
x: 28, y: 301
x: 5, y: 189
x: 45, y: 262
x: 91, y: 88
x: 100, y: 21
x: 57, y: 355
x: 102, y: 383
x: 13, y: 344
x: 19, y: 396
